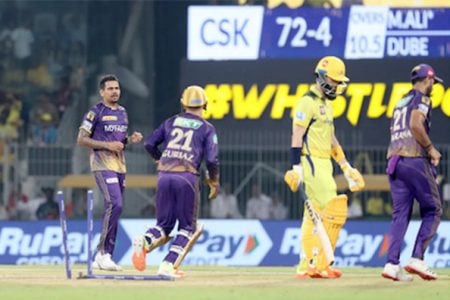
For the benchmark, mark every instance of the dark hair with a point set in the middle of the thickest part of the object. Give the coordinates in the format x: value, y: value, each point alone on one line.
x: 417, y: 80
x: 106, y: 78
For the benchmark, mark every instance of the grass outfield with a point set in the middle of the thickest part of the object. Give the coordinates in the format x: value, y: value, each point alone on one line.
x: 247, y: 283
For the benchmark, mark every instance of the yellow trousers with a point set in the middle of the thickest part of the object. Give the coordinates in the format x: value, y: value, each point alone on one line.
x: 321, y: 191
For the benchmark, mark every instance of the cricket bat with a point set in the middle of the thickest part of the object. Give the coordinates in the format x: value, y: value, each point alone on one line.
x: 189, y: 245
x: 321, y: 233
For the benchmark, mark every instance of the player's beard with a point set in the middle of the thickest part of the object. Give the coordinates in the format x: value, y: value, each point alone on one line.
x: 428, y: 90
x: 115, y: 99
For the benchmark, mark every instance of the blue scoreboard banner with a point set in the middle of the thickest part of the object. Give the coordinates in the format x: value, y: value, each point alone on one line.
x: 303, y: 33
x: 355, y: 32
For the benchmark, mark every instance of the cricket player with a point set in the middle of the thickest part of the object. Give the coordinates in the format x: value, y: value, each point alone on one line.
x: 313, y: 145
x: 412, y: 159
x: 104, y: 130
x: 187, y: 139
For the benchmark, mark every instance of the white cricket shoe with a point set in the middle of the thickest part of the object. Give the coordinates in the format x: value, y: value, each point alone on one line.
x: 419, y: 267
x: 104, y: 262
x: 395, y: 272
x: 95, y: 265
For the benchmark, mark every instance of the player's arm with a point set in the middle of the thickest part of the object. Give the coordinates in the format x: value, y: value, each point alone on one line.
x: 294, y: 176
x: 152, y: 142
x: 336, y: 151
x: 352, y: 175
x: 85, y: 140
x: 212, y: 163
x: 134, y: 138
x: 416, y: 124
x: 85, y: 132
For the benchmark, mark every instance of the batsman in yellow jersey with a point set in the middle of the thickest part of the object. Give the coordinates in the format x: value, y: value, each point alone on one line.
x: 313, y: 145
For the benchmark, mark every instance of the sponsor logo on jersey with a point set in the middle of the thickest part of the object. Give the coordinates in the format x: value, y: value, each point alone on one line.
x: 300, y: 116
x: 187, y: 123
x: 86, y: 125
x: 115, y: 128
x: 322, y: 110
x: 112, y: 180
x: 90, y: 116
x: 423, y: 108
x: 109, y: 118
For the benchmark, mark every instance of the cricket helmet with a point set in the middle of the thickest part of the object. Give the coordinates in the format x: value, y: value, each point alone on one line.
x: 333, y: 68
x: 194, y: 96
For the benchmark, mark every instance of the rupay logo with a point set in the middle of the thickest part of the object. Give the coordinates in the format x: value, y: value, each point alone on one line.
x: 19, y: 245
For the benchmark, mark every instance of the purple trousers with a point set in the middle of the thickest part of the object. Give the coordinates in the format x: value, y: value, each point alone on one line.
x: 177, y: 199
x: 412, y: 178
x: 111, y: 185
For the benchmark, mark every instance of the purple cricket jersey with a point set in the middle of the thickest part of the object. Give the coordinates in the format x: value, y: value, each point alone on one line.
x: 187, y: 140
x: 106, y: 124
x: 403, y: 142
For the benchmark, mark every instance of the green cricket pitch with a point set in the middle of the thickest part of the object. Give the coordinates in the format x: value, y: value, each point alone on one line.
x: 207, y: 282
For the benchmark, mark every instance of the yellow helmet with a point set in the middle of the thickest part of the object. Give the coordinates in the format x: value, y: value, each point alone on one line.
x: 194, y: 96
x: 332, y: 67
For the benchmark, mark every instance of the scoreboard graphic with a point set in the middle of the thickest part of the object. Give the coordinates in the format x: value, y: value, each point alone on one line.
x: 355, y: 32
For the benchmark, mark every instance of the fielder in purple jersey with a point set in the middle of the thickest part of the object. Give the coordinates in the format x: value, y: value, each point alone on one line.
x: 187, y: 139
x: 104, y: 130
x: 411, y: 170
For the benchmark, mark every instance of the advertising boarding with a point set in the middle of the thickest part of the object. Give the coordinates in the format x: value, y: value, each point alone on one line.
x: 224, y: 243
x: 260, y: 96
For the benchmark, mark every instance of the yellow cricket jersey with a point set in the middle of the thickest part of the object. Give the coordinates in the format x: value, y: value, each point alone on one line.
x: 316, y: 115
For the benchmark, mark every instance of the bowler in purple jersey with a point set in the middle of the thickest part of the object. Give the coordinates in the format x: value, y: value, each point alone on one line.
x: 187, y: 139
x: 412, y: 159
x: 104, y: 129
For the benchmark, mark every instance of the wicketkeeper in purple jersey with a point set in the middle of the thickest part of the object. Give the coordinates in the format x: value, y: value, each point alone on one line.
x: 412, y: 175
x: 187, y: 139
x: 104, y: 130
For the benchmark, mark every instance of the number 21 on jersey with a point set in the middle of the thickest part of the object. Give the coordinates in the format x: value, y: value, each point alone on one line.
x: 180, y: 139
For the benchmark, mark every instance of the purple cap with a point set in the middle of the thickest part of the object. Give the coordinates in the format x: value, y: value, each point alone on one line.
x: 423, y: 71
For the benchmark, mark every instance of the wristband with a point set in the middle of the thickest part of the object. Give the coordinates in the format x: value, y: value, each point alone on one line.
x: 295, y: 155
x: 427, y: 148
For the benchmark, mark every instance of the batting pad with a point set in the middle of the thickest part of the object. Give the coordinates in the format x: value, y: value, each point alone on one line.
x: 333, y: 218
x: 310, y: 245
x: 336, y: 210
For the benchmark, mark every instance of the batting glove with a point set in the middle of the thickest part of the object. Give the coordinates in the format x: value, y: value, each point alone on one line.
x: 354, y: 178
x: 213, y: 188
x: 294, y: 177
